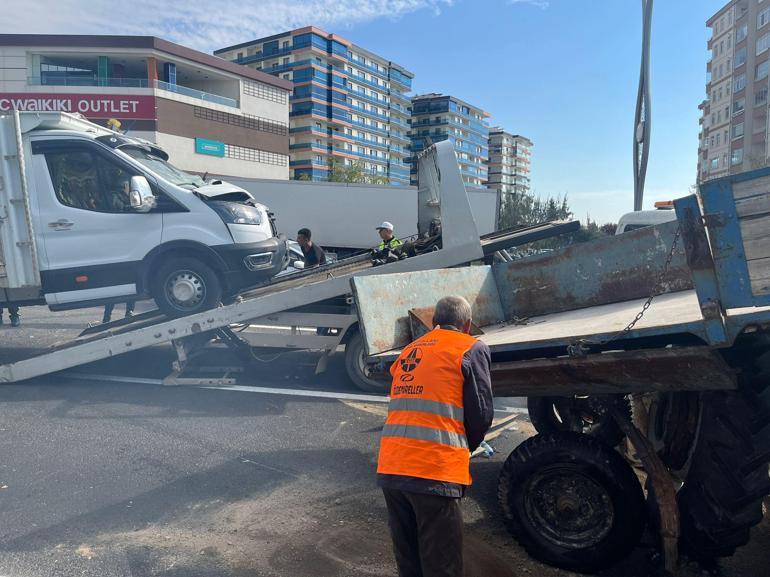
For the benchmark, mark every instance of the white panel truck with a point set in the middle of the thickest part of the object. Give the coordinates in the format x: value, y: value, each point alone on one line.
x: 670, y: 320
x: 84, y: 222
x: 317, y: 299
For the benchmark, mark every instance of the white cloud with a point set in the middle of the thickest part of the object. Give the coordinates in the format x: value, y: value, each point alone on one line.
x: 539, y: 3
x: 205, y: 25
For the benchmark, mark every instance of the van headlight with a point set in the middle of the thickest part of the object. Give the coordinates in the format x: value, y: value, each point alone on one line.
x: 236, y: 213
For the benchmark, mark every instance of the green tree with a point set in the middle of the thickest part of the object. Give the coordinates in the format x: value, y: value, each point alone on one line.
x: 356, y: 172
x: 524, y: 209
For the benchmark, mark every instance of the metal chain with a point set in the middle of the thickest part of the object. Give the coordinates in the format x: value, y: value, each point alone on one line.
x: 580, y: 347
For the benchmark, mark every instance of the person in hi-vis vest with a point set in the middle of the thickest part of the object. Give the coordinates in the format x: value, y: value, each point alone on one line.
x: 440, y: 409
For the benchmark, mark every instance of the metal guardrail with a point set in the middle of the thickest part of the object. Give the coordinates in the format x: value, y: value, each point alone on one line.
x: 87, y: 80
x: 193, y: 93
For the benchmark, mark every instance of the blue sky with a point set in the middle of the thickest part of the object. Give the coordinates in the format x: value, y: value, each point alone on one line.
x: 562, y: 72
x: 565, y: 74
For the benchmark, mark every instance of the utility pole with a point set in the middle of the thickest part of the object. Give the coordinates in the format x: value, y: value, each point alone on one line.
x: 643, y: 118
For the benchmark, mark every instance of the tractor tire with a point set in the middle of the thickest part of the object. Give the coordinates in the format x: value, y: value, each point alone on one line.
x: 557, y: 414
x: 721, y: 499
x: 571, y: 501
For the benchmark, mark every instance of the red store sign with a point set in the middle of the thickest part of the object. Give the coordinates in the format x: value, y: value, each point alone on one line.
x: 89, y: 105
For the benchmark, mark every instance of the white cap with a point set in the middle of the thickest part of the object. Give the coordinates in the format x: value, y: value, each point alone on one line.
x: 385, y: 224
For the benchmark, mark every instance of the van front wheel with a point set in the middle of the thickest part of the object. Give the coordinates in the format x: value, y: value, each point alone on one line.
x: 186, y: 286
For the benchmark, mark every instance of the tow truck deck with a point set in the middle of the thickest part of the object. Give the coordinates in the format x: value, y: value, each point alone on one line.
x: 443, y: 205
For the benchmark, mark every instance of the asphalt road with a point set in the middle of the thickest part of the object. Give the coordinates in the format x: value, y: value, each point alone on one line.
x: 108, y: 479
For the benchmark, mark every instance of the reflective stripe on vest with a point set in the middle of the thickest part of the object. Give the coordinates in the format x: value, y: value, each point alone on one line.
x: 424, y: 435
x: 424, y: 406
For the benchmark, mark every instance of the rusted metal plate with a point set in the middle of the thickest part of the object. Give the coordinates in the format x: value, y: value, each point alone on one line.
x: 670, y: 369
x: 609, y: 270
x: 384, y: 301
x: 421, y: 322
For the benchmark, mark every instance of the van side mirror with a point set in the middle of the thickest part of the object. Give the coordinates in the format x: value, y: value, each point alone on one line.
x: 298, y: 264
x: 140, y: 195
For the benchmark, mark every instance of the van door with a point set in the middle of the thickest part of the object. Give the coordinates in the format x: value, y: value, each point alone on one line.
x: 93, y: 241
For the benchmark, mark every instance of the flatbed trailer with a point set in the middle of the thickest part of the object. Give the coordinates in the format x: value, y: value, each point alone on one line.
x: 316, y: 298
x: 672, y: 321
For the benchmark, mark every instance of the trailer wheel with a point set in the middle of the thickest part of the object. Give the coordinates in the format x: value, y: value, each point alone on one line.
x: 556, y: 414
x: 185, y: 286
x: 571, y: 501
x: 728, y: 476
x: 355, y: 366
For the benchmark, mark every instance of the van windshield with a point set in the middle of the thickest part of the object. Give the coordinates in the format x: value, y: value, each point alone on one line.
x: 164, y: 168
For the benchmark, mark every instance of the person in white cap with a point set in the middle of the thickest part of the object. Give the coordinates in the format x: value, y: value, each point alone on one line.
x: 386, y: 234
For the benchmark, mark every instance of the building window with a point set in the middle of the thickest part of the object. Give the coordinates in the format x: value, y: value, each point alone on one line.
x: 244, y: 121
x: 285, y: 44
x: 718, y: 138
x: 741, y: 33
x: 739, y: 105
x: 740, y: 83
x: 740, y: 56
x: 763, y: 43
x: 256, y: 155
x: 762, y: 70
x: 760, y: 96
x: 265, y: 92
x: 319, y: 159
x: 715, y: 163
x: 738, y: 130
x: 763, y: 17
x: 737, y: 156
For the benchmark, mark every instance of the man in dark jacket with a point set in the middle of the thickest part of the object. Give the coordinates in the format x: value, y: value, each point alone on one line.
x: 440, y: 410
x: 314, y: 254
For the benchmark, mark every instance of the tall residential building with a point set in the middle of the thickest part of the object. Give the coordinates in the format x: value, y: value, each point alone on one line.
x: 348, y: 105
x: 209, y: 115
x: 438, y: 117
x: 734, y: 121
x: 509, y: 162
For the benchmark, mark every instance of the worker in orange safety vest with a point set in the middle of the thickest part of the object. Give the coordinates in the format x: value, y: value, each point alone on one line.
x: 440, y: 409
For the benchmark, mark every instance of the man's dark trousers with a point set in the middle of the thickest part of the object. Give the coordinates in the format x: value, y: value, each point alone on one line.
x: 427, y: 533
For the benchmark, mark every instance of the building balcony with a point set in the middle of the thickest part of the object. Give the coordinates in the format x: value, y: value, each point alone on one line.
x: 367, y: 156
x: 369, y: 68
x: 369, y: 127
x: 362, y: 80
x: 369, y: 142
x: 359, y: 94
x: 87, y: 80
x: 192, y: 93
x: 366, y: 112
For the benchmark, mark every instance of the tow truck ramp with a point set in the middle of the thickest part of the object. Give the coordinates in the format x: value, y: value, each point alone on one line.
x: 443, y: 206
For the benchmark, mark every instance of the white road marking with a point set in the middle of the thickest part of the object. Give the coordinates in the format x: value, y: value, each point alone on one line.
x: 302, y: 393
x: 242, y: 388
x: 265, y: 390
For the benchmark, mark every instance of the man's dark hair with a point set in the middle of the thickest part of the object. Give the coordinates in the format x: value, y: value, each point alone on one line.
x: 304, y: 232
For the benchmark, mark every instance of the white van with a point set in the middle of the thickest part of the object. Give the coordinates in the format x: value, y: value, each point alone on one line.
x: 108, y: 219
x: 664, y: 212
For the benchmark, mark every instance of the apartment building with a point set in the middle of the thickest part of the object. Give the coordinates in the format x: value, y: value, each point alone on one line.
x: 209, y: 115
x: 734, y: 116
x: 438, y: 117
x: 349, y: 105
x: 509, y: 162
